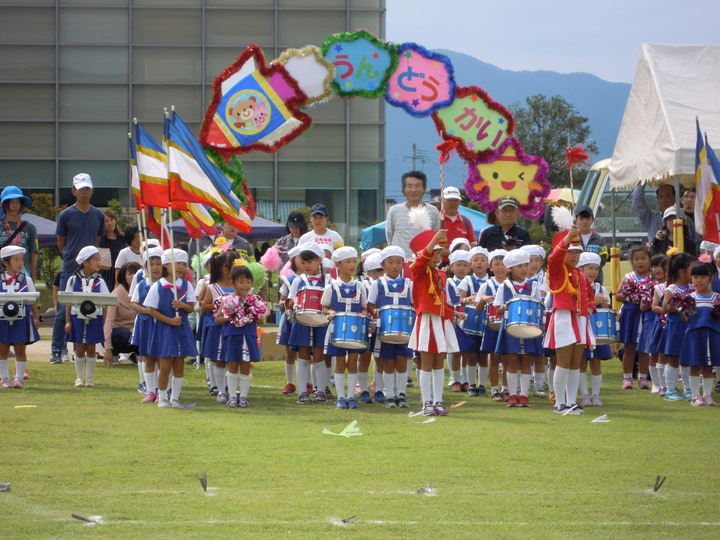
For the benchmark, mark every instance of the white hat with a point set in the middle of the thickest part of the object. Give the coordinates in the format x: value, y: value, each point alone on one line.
x: 497, y: 253
x: 176, y: 255
x: 294, y: 252
x: 158, y: 252
x: 588, y: 257
x: 365, y: 254
x: 534, y: 249
x: 477, y: 250
x: 459, y: 256
x: 205, y: 259
x: 82, y: 180
x: 344, y: 252
x: 327, y: 247
x: 669, y: 211
x: 149, y: 242
x: 9, y: 251
x: 372, y: 262
x: 312, y: 247
x: 515, y: 258
x: 459, y: 242
x: 709, y: 246
x: 392, y: 251
x: 85, y: 253
x: 452, y: 193
x: 716, y: 252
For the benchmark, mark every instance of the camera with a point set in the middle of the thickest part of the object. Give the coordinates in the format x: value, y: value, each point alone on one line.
x: 664, y: 233
x: 511, y: 241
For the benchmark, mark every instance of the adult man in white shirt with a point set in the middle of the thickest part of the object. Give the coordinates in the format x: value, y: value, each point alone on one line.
x: 320, y: 234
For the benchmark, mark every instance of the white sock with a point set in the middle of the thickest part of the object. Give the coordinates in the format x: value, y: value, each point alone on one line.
x: 245, y: 385
x: 539, y: 380
x: 90, y: 362
x: 389, y: 382
x: 513, y: 380
x: 438, y: 384
x: 456, y: 375
x: 465, y: 374
x: 583, y: 385
x: 596, y: 382
x: 695, y: 385
x: 209, y: 372
x: 708, y: 386
x: 141, y: 372
x: 654, y: 375
x: 401, y: 384
x: 220, y: 381
x: 233, y: 379
x: 572, y: 385
x: 290, y: 373
x: 671, y: 377
x: 378, y: 376
x: 20, y: 370
x: 352, y: 382
x: 362, y: 379
x: 321, y: 375
x: 560, y: 382
x: 482, y: 377
x: 525, y: 384
x: 627, y: 375
x: 4, y: 369
x: 471, y: 375
x: 151, y: 381
x: 551, y: 379
x: 685, y: 375
x: 177, y: 384
x: 80, y: 367
x: 661, y: 374
x: 642, y: 376
x: 425, y: 380
x: 339, y: 385
x: 302, y: 374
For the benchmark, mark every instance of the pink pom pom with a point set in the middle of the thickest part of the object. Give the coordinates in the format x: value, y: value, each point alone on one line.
x: 271, y: 260
x: 286, y: 270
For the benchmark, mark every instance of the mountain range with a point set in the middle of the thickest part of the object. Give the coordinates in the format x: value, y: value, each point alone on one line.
x: 602, y: 102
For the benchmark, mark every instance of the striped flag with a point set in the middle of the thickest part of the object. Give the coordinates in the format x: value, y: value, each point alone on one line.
x: 152, y: 169
x: 707, y: 196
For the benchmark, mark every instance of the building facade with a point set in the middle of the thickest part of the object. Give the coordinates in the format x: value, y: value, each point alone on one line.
x: 74, y: 73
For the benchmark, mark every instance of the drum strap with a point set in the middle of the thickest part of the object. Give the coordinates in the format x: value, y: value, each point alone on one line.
x: 347, y: 300
x: 395, y: 295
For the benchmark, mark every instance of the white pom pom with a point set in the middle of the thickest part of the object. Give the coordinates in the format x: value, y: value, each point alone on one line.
x: 419, y: 218
x: 562, y: 216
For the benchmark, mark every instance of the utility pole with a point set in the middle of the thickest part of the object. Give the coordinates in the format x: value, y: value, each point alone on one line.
x: 417, y: 155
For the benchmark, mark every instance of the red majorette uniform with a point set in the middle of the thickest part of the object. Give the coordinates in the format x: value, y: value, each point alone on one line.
x: 434, y: 331
x: 573, y: 301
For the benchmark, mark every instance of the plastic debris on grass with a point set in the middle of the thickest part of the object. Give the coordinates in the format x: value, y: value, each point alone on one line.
x: 350, y: 431
x: 602, y: 419
x: 428, y: 421
x: 456, y: 405
x: 5, y: 486
x: 427, y: 490
x: 203, y: 481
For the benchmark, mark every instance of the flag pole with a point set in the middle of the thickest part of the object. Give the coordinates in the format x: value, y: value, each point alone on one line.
x: 165, y: 223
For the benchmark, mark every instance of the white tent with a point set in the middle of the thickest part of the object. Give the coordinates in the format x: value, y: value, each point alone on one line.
x: 673, y: 85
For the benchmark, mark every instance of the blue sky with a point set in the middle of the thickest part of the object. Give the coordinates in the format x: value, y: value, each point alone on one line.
x: 602, y: 38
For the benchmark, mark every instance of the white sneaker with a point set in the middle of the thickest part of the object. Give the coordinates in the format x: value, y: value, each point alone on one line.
x: 123, y: 357
x: 175, y: 404
x: 586, y: 401
x: 596, y: 401
x: 79, y: 383
x: 164, y: 403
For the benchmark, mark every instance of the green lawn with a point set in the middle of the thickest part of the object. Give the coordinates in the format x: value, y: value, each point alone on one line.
x: 495, y: 472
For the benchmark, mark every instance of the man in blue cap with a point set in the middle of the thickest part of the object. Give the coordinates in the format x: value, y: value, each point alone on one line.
x: 590, y: 240
x: 17, y: 232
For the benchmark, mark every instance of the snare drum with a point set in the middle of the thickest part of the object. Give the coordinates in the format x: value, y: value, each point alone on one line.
x: 349, y: 331
x: 493, y: 320
x: 524, y: 317
x: 474, y: 322
x: 603, y: 323
x: 395, y: 324
x: 308, y: 308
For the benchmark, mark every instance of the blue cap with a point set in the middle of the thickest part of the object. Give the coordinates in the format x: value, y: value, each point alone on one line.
x: 14, y: 192
x: 319, y: 209
x: 584, y: 209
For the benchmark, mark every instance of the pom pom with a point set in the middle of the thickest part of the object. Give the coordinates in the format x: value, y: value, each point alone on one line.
x: 715, y: 313
x: 271, y: 260
x: 684, y: 304
x: 645, y: 291
x: 562, y: 217
x: 672, y: 251
x: 575, y: 155
x: 419, y: 217
x: 259, y: 275
x: 286, y: 270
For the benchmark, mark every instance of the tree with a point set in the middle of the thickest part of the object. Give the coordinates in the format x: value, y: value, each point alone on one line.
x: 543, y: 128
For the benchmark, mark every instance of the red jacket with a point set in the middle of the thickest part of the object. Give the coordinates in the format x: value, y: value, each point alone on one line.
x: 424, y: 278
x: 582, y: 299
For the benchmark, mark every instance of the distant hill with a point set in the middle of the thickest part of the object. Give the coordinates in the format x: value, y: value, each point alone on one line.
x: 602, y: 102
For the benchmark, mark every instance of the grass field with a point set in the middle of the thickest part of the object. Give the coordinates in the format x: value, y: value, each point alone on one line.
x: 271, y: 472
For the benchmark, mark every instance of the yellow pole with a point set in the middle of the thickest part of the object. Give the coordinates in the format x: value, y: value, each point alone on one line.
x: 615, y: 275
x: 678, y: 236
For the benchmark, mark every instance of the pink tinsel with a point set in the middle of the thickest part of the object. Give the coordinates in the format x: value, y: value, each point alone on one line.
x: 715, y: 313
x: 645, y: 291
x: 286, y: 270
x: 271, y: 260
x: 684, y: 304
x: 243, y: 311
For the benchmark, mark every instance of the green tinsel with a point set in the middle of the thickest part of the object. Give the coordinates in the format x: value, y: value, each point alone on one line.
x: 234, y: 171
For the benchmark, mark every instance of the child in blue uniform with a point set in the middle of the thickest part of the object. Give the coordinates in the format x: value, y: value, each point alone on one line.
x: 238, y: 314
x: 345, y: 295
x: 651, y: 322
x: 679, y: 280
x: 485, y: 297
x: 371, y: 270
x: 631, y: 318
x: 516, y: 352
x: 85, y: 330
x: 701, y: 345
x: 468, y: 288
x: 172, y: 339
x: 23, y: 330
x: 392, y: 289
x: 309, y: 340
x: 285, y: 323
x: 145, y: 324
x: 589, y: 265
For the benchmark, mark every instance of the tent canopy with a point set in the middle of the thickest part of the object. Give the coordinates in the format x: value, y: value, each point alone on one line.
x: 261, y: 228
x: 45, y: 229
x: 375, y: 234
x: 673, y: 85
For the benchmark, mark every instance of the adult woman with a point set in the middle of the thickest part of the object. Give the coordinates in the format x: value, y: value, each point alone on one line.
x: 296, y: 227
x: 15, y: 231
x: 120, y: 319
x: 114, y: 241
